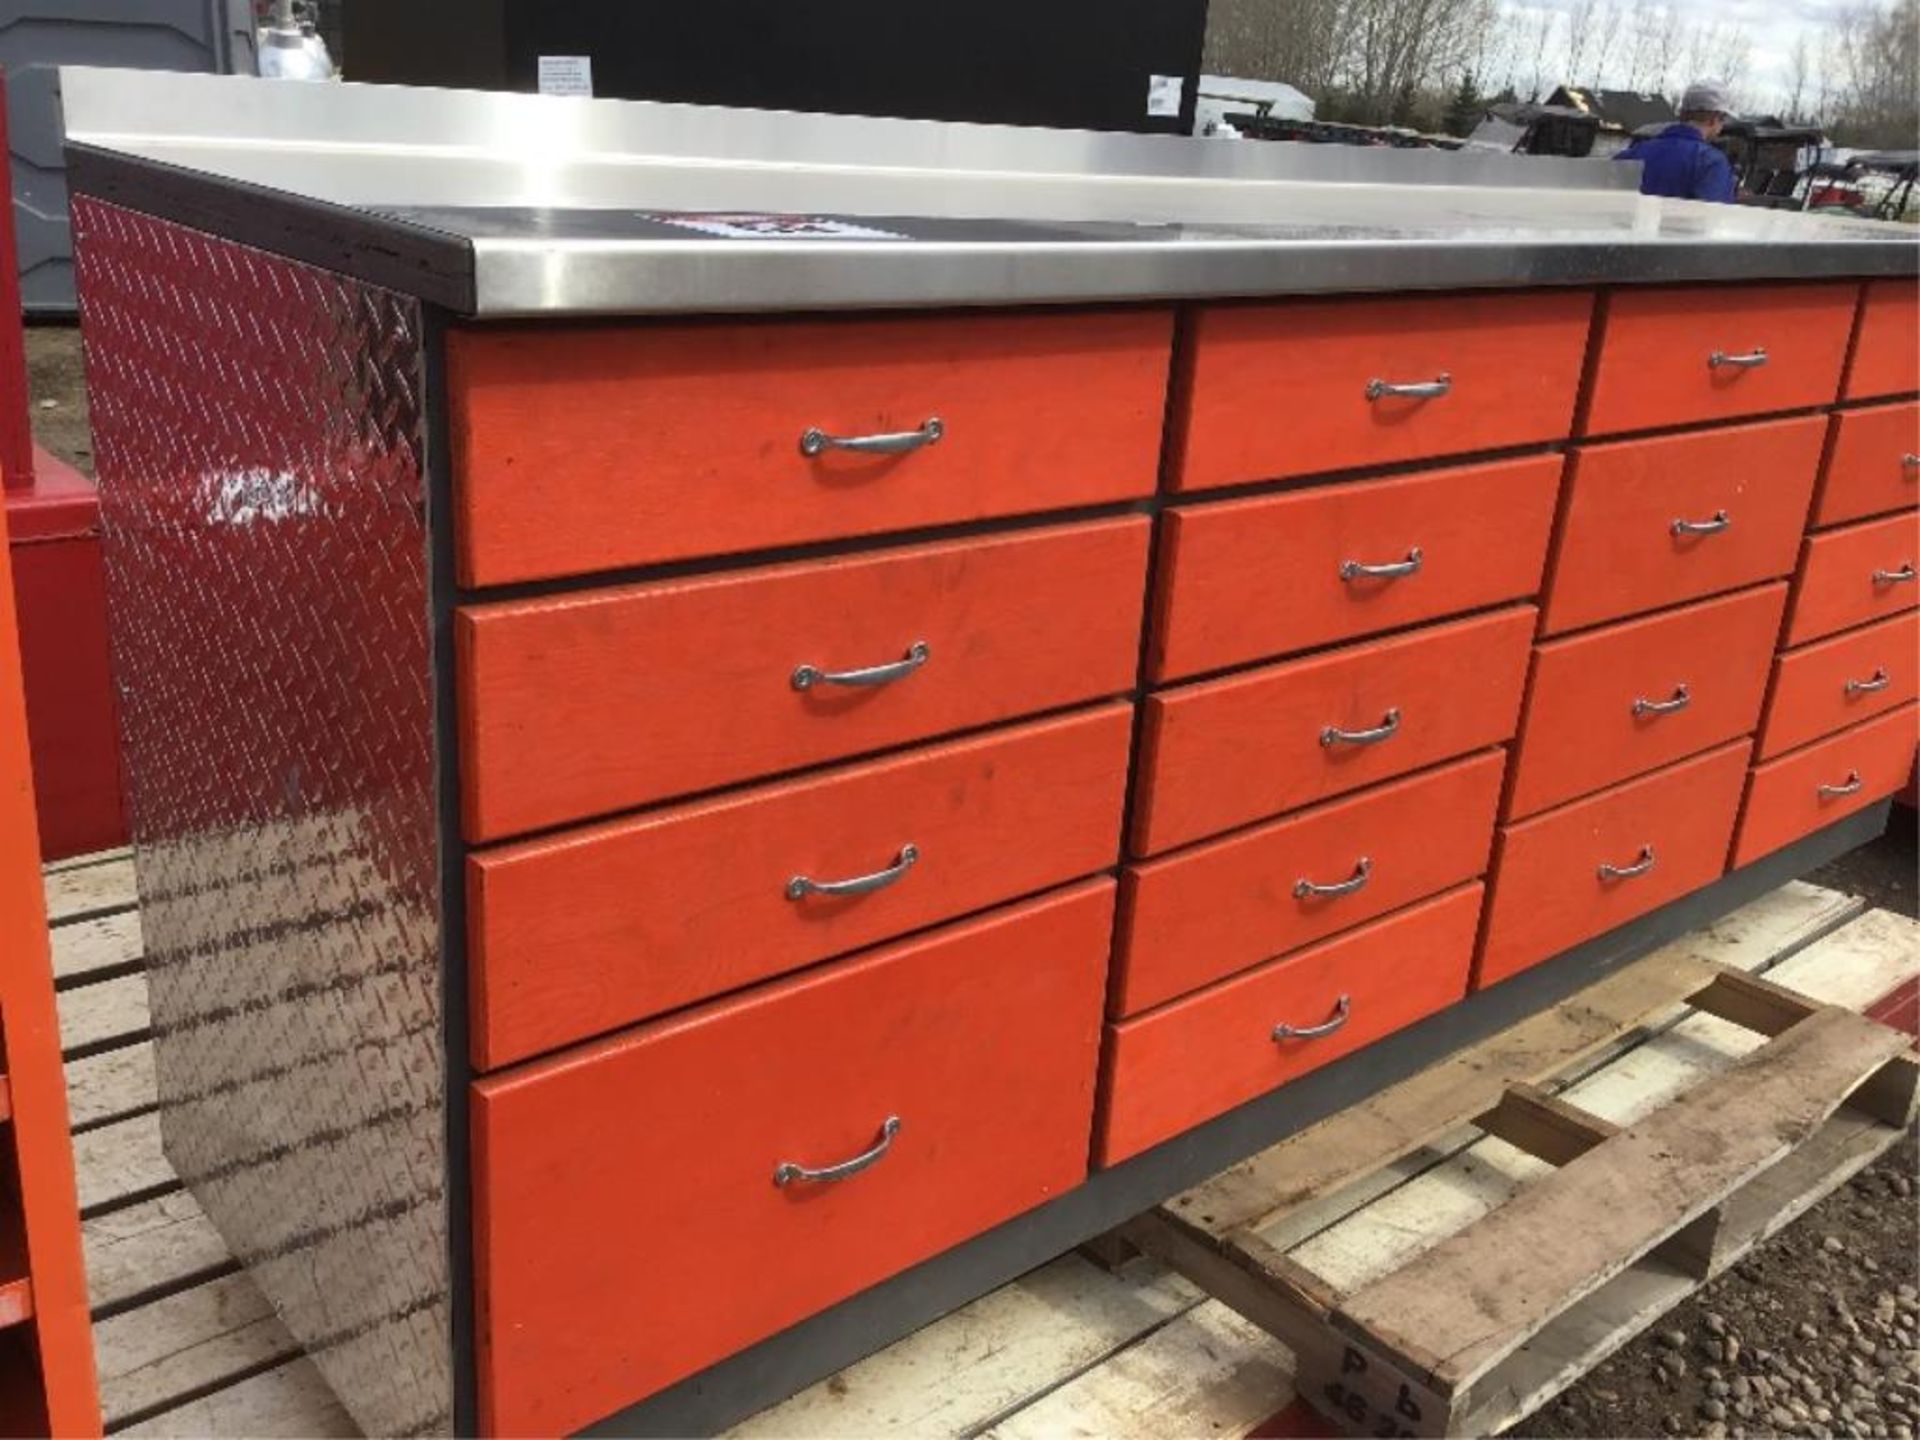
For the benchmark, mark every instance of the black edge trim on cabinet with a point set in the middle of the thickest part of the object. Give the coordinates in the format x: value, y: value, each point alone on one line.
x: 786, y: 1363
x: 411, y: 259
x: 454, y: 1005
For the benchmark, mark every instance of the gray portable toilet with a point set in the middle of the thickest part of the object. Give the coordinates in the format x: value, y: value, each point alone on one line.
x: 38, y: 36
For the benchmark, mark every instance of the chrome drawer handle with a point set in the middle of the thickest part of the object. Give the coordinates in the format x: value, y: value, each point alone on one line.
x: 1342, y: 1008
x: 1850, y: 786
x: 1910, y: 462
x: 786, y: 1172
x: 1901, y: 576
x: 1627, y: 872
x: 801, y: 886
x: 1751, y: 360
x: 1304, y: 889
x: 1389, y: 725
x: 1412, y: 390
x: 1879, y: 680
x: 1682, y: 697
x: 805, y: 677
x: 815, y: 440
x: 1720, y: 521
x: 1354, y: 570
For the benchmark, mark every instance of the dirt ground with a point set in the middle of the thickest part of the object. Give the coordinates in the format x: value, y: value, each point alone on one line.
x: 1822, y: 1323
x: 59, y: 393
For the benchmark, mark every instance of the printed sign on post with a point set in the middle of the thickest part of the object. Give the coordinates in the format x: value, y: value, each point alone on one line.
x: 566, y: 75
x: 1163, y: 94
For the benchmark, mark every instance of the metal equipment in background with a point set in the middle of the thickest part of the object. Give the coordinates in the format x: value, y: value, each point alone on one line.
x: 290, y: 46
x: 1082, y: 64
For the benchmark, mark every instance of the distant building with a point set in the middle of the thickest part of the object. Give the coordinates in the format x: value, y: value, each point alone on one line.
x: 1223, y: 95
x: 1620, y: 112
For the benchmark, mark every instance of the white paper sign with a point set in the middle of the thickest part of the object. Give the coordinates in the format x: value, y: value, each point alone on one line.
x: 776, y: 227
x: 566, y: 75
x: 1163, y: 94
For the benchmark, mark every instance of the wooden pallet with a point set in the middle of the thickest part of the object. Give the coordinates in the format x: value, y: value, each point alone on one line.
x: 184, y: 1342
x: 1472, y: 1334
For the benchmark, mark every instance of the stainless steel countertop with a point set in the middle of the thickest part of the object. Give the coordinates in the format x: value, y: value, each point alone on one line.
x: 508, y: 205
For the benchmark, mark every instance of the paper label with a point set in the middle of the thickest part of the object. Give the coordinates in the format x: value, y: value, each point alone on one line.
x: 1163, y: 94
x: 566, y: 75
x: 776, y: 227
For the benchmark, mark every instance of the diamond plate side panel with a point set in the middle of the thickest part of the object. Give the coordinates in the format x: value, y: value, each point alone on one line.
x: 258, y: 431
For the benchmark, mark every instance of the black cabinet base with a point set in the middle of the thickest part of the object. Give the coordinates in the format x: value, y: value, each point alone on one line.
x: 790, y: 1361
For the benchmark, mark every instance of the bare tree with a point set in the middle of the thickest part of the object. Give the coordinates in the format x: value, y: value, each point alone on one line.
x: 1878, y: 85
x: 1643, y: 43
x: 1580, y: 17
x: 1798, y: 63
x: 1606, y: 40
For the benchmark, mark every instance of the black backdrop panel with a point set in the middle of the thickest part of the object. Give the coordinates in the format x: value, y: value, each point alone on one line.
x: 1076, y: 63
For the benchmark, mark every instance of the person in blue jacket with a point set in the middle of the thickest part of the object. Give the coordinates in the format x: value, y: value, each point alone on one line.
x: 1681, y: 160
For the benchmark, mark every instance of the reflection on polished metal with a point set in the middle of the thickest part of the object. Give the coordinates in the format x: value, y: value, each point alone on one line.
x: 266, y: 566
x: 544, y: 204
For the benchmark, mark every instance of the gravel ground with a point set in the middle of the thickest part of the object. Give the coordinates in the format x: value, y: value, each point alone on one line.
x: 1816, y: 1333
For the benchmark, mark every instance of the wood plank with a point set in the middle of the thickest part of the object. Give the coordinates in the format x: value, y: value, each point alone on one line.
x: 88, y: 889
x: 156, y: 1245
x: 111, y: 1012
x: 1258, y: 1192
x: 120, y: 1163
x: 1856, y: 964
x: 1573, y: 1344
x: 1545, y: 1126
x: 290, y: 1401
x: 1459, y: 1308
x: 1747, y: 1000
x: 180, y: 1344
x: 986, y: 1359
x: 84, y: 948
x: 111, y: 1085
x: 81, y: 862
x: 1208, y: 1373
x: 1846, y: 1145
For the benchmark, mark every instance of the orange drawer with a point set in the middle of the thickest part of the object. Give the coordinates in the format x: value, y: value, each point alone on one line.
x: 589, y: 703
x: 579, y: 449
x: 1657, y: 353
x: 1252, y: 578
x: 598, y: 928
x: 1579, y: 871
x: 633, y: 1217
x: 1294, y: 387
x: 1855, y: 574
x: 1873, y: 464
x: 1641, y: 694
x: 1224, y: 752
x: 1174, y: 1067
x: 1886, y: 352
x: 1835, y: 683
x: 1649, y: 523
x: 1827, y: 781
x: 1191, y: 918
